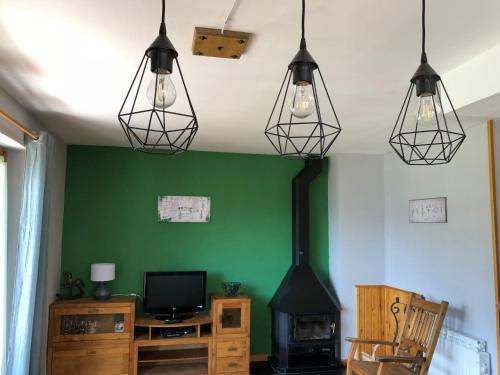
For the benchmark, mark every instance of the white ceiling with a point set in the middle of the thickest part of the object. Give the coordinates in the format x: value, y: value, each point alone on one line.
x: 71, y: 62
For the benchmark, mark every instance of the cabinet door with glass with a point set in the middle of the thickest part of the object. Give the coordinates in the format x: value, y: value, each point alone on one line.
x: 87, y: 319
x: 231, y: 315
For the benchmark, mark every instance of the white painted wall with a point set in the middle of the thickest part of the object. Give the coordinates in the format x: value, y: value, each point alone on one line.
x: 356, y: 200
x: 474, y: 80
x: 372, y: 242
x: 450, y: 261
x: 15, y: 174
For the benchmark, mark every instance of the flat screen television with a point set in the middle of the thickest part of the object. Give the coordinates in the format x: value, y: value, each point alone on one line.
x: 172, y: 296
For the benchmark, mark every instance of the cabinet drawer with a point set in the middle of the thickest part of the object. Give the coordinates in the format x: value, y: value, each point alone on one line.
x: 231, y: 364
x: 231, y: 348
x: 112, y: 360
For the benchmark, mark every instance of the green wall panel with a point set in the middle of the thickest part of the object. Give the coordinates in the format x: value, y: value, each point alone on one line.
x: 111, y: 216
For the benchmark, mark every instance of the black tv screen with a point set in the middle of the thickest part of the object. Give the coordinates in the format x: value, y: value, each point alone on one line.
x: 174, y: 292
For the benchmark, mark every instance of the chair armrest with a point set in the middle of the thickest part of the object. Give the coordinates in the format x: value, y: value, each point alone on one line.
x: 398, y: 359
x: 356, y: 340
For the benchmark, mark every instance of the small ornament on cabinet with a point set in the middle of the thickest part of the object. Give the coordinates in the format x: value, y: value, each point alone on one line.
x: 231, y: 288
x: 68, y: 287
x: 119, y: 326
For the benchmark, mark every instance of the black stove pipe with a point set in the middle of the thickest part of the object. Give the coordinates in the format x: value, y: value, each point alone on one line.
x: 300, y: 210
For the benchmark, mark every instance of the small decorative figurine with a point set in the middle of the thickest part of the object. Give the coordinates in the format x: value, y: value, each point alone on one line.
x: 119, y: 326
x: 69, y: 283
x: 91, y: 326
x: 231, y: 288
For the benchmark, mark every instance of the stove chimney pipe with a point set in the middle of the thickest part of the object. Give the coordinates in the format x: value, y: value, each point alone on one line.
x: 300, y: 210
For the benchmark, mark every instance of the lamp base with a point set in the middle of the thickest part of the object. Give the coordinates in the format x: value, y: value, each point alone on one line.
x: 102, y: 291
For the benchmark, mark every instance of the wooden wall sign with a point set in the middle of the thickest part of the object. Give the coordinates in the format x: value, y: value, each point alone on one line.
x: 214, y: 43
x: 430, y: 210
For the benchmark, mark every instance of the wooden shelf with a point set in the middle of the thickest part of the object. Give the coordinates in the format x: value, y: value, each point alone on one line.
x: 150, y: 322
x: 173, y: 356
x: 145, y: 336
x: 180, y: 369
x: 184, y: 355
x: 91, y: 337
x: 140, y: 343
x: 157, y: 336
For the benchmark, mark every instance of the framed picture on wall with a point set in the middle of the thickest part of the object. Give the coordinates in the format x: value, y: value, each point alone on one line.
x: 183, y: 209
x: 429, y: 210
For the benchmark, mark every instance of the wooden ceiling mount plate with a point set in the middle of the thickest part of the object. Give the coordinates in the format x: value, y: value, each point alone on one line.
x: 214, y: 43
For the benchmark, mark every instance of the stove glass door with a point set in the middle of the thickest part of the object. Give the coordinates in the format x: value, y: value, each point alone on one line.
x: 313, y: 327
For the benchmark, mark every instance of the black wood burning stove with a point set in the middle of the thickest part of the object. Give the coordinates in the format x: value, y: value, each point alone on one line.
x: 305, y: 313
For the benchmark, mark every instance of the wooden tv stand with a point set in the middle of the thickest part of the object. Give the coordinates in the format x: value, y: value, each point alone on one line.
x: 186, y: 354
x: 219, y: 342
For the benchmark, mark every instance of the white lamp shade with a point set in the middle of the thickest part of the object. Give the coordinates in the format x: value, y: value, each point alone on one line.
x: 102, y: 271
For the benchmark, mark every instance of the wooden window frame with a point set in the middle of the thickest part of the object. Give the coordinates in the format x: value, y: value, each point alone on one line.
x: 494, y: 230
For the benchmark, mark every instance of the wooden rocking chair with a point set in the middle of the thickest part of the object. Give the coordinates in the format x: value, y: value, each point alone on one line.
x: 413, y: 348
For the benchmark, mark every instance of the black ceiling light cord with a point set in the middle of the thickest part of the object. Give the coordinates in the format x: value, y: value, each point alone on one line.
x: 428, y: 136
x: 148, y: 116
x: 303, y: 123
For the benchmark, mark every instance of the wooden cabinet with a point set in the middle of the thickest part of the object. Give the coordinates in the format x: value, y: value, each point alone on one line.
x: 189, y: 354
x: 231, y: 335
x: 219, y: 343
x: 89, y: 337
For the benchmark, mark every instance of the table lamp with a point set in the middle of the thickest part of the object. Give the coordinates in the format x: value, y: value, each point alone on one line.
x: 100, y: 273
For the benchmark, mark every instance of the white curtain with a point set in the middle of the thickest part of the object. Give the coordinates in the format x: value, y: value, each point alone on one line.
x: 28, y: 305
x: 3, y: 263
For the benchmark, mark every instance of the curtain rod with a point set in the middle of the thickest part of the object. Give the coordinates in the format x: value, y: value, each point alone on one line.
x: 30, y: 133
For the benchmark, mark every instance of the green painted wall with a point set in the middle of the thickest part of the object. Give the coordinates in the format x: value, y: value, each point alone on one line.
x: 111, y: 216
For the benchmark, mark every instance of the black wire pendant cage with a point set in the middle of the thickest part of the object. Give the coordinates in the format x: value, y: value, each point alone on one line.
x: 428, y: 130
x: 147, y: 115
x: 302, y: 139
x: 433, y: 139
x: 310, y: 133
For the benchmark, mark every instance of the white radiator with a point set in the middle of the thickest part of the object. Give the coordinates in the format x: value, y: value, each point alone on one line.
x: 459, y: 354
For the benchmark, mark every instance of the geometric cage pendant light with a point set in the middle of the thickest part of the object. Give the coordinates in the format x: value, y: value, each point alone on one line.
x: 154, y: 117
x: 303, y: 123
x: 424, y: 134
